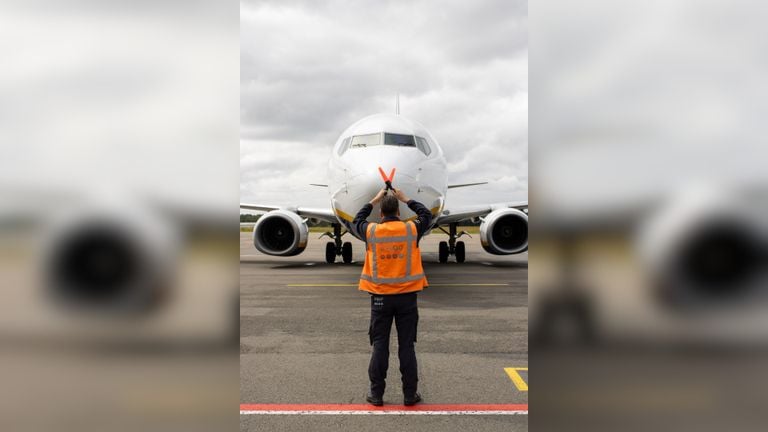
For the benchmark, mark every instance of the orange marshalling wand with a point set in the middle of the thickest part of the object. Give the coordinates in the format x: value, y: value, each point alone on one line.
x: 387, y: 179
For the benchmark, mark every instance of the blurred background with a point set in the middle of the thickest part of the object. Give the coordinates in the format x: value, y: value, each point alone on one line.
x: 118, y: 215
x: 119, y: 137
x: 647, y: 289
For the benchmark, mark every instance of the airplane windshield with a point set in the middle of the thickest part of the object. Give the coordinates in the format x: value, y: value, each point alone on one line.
x: 366, y: 140
x: 399, y: 140
x: 422, y: 144
x: 344, y: 146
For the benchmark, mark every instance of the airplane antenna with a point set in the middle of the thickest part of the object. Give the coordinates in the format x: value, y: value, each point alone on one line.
x: 397, y: 105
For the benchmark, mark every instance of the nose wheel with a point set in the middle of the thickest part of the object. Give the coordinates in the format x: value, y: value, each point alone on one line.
x: 346, y: 252
x: 330, y: 252
x: 460, y: 252
x: 452, y: 247
x: 337, y: 247
x: 443, y: 252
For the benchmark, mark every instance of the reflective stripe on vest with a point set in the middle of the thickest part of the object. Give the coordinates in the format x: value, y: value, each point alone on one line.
x: 393, y: 280
x: 409, y: 238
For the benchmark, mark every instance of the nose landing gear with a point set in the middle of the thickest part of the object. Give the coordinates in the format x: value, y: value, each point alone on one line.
x: 337, y: 247
x: 452, y: 247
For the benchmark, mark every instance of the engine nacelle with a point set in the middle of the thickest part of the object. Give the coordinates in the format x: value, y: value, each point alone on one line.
x: 110, y: 260
x: 705, y: 249
x: 504, y: 232
x: 280, y: 233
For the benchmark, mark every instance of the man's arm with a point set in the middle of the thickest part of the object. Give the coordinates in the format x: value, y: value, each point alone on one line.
x: 423, y: 215
x: 359, y: 223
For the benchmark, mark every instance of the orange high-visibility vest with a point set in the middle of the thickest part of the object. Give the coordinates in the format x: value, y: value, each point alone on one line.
x: 392, y: 259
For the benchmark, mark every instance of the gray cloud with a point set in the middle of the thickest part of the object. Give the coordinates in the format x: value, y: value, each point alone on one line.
x: 132, y: 96
x: 308, y: 70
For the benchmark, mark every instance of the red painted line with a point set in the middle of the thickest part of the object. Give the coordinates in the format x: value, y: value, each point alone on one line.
x: 367, y: 407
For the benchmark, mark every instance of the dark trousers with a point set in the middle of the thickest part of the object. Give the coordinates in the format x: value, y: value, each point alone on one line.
x: 404, y: 310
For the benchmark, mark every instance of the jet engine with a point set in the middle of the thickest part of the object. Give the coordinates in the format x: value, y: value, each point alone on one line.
x: 504, y: 232
x: 280, y: 233
x: 109, y: 262
x: 705, y: 249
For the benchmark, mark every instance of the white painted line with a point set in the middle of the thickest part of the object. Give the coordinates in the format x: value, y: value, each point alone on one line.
x: 366, y: 409
x: 357, y: 412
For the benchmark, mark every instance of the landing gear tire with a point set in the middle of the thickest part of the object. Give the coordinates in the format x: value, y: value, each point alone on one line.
x: 443, y: 252
x: 330, y: 252
x: 346, y: 252
x: 460, y: 252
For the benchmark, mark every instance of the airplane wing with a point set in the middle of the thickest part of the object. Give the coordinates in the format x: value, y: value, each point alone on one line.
x: 458, y: 214
x: 453, y: 186
x: 322, y: 214
x: 258, y: 207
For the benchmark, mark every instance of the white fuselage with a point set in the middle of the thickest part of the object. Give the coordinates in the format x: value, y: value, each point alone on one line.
x: 353, y: 171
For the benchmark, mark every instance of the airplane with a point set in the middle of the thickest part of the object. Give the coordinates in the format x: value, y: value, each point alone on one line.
x: 361, y: 157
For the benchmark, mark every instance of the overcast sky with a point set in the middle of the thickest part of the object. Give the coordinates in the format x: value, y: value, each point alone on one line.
x: 309, y: 69
x: 120, y: 98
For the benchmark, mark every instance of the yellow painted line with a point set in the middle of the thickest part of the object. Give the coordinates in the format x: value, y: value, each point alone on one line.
x: 349, y: 285
x: 516, y: 378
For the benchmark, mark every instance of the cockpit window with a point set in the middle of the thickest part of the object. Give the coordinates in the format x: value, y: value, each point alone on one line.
x: 366, y: 140
x: 344, y: 145
x: 399, y: 140
x: 423, y: 145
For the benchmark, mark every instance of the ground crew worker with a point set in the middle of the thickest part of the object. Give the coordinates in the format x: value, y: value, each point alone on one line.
x: 392, y: 274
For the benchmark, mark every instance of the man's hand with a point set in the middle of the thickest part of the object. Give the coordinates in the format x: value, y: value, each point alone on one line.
x: 379, y: 196
x: 400, y: 195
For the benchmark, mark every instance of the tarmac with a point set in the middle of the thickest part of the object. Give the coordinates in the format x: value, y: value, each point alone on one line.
x: 303, y: 340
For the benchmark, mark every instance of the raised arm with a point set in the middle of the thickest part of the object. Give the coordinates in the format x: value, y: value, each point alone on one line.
x: 423, y: 215
x: 359, y: 223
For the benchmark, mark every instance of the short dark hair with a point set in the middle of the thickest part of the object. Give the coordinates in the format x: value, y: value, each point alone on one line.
x: 389, y: 205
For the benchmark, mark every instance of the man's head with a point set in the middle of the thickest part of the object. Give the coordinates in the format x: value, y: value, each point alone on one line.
x: 390, y: 206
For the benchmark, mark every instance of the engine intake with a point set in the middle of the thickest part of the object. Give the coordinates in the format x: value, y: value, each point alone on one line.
x: 504, y: 232
x: 280, y: 233
x: 109, y: 264
x: 714, y: 261
x: 705, y: 250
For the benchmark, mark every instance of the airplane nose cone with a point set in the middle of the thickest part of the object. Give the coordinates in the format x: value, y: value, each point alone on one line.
x: 364, y: 180
x: 367, y: 185
x: 361, y: 188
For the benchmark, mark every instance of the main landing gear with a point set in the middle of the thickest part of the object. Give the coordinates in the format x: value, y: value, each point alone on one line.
x: 452, y: 247
x: 336, y: 247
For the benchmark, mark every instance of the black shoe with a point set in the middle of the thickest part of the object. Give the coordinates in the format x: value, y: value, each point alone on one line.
x: 374, y: 400
x: 413, y: 400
